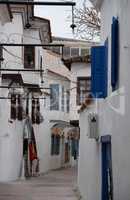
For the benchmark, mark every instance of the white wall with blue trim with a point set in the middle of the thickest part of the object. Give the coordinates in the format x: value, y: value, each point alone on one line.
x: 114, y: 114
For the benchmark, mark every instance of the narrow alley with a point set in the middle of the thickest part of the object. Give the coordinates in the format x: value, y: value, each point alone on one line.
x: 56, y: 185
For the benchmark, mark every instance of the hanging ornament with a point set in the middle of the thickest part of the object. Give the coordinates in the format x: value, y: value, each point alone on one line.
x: 73, y: 25
x: 28, y: 25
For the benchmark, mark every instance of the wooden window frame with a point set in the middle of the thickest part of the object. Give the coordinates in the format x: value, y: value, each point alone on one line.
x: 33, y: 56
x: 74, y: 49
x: 86, y: 78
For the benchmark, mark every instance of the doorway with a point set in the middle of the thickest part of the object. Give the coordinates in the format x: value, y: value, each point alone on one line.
x: 107, y: 177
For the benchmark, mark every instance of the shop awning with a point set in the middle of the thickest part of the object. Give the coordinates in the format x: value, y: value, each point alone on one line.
x: 33, y: 88
x: 16, y: 78
x: 66, y: 130
x: 58, y: 128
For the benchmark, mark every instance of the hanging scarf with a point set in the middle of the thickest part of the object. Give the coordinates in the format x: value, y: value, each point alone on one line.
x: 20, y: 109
x: 13, y: 107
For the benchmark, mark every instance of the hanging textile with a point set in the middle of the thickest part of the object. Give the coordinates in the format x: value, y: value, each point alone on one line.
x: 37, y: 111
x: 33, y: 111
x: 27, y: 105
x: 67, y: 152
x: 13, y: 107
x: 25, y: 146
x: 55, y: 145
x: 33, y: 139
x: 74, y: 148
x: 20, y: 109
x: 52, y: 145
x: 32, y: 151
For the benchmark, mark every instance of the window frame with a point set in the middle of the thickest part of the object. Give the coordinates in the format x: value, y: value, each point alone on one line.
x: 26, y: 66
x: 65, y: 53
x: 56, y: 105
x: 74, y: 49
x: 67, y: 101
x: 87, y: 51
x: 81, y: 78
x: 63, y: 99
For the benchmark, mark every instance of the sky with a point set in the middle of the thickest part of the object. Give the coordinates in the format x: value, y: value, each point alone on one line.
x: 59, y: 18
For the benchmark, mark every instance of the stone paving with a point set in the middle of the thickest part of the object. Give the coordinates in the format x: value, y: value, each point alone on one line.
x: 56, y: 185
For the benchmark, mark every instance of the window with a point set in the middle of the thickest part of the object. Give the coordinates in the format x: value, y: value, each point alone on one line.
x: 74, y: 52
x: 66, y: 51
x: 29, y: 57
x: 54, y: 99
x: 62, y: 99
x: 84, y: 52
x: 68, y: 101
x: 55, y: 145
x: 83, y: 89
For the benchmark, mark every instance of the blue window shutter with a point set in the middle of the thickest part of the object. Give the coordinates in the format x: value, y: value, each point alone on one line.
x: 99, y: 71
x: 114, y: 53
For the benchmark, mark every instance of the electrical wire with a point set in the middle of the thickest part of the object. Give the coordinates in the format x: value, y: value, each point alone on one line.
x: 10, y: 53
x: 23, y: 60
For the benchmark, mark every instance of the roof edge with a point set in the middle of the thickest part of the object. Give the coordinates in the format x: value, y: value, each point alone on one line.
x: 49, y: 24
x: 83, y: 59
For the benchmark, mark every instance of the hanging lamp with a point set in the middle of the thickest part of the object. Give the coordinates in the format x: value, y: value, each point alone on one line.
x: 73, y: 25
x: 28, y: 25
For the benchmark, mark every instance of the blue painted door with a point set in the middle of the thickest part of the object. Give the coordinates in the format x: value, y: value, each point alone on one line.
x: 107, y: 180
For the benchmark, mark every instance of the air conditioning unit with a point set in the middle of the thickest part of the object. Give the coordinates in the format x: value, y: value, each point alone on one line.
x: 93, y: 126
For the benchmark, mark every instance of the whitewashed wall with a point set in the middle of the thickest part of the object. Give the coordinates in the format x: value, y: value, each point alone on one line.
x: 11, y: 142
x: 89, y: 162
x: 56, y: 161
x: 11, y: 133
x: 113, y: 115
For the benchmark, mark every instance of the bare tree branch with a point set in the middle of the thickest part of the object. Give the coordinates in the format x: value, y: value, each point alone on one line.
x: 88, y: 22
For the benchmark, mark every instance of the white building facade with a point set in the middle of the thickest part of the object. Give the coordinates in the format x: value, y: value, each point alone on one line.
x: 18, y: 88
x: 104, y: 150
x: 76, y: 57
x: 35, y: 100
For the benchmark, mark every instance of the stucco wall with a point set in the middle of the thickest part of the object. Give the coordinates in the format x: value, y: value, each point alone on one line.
x: 11, y: 133
x: 56, y: 161
x: 11, y: 143
x: 89, y: 163
x: 113, y: 114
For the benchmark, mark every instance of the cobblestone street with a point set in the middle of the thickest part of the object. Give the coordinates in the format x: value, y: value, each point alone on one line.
x: 56, y: 185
